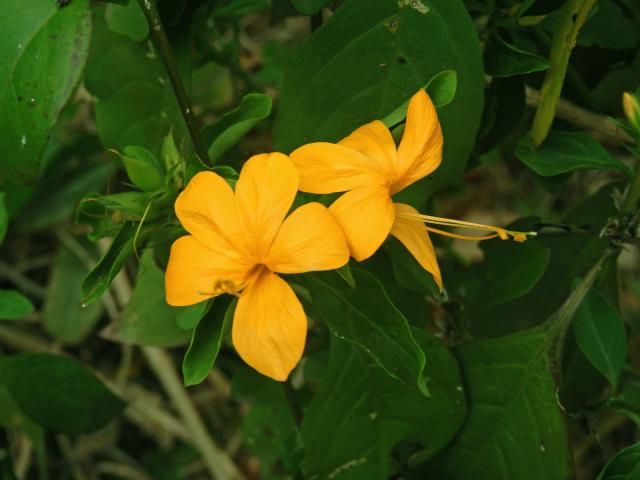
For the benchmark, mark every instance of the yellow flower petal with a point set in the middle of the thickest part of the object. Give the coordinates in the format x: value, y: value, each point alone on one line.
x: 196, y: 272
x: 366, y: 215
x: 270, y: 327
x: 415, y: 237
x: 374, y: 141
x: 264, y: 193
x: 309, y: 240
x: 206, y: 209
x: 328, y: 168
x: 420, y: 150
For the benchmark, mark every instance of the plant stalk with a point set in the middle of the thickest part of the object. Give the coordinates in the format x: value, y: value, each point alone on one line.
x: 161, y: 43
x: 633, y: 194
x: 572, y: 16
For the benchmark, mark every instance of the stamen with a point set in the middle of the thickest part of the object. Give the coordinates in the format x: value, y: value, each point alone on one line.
x: 224, y: 286
x: 504, y: 234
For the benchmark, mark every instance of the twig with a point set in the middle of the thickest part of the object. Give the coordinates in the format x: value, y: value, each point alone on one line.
x: 23, y: 341
x: 218, y: 463
x: 598, y: 125
x: 571, y: 18
x: 162, y: 44
x: 21, y: 281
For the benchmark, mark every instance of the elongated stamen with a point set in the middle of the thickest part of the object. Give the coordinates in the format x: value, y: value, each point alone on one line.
x: 503, y: 233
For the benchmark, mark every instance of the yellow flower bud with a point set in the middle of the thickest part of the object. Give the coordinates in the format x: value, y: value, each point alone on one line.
x: 631, y: 109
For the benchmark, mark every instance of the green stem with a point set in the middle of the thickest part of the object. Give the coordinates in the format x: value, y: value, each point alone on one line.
x: 292, y: 401
x: 161, y: 43
x: 572, y: 17
x: 633, y: 194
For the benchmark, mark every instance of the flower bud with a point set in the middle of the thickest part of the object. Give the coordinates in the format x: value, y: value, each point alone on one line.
x: 631, y: 108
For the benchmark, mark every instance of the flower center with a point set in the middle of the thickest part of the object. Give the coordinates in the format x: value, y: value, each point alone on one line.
x: 502, y: 233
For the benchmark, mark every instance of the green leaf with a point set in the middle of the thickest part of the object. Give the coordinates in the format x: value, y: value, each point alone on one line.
x: 625, y: 465
x: 58, y: 393
x: 441, y: 89
x: 99, y: 279
x: 64, y: 316
x: 509, y: 271
x: 366, y: 317
x: 136, y: 105
x: 364, y: 62
x: 515, y: 428
x: 564, y: 152
x: 4, y: 218
x: 239, y: 8
x: 359, y: 414
x: 147, y: 319
x: 206, y: 341
x: 188, y: 317
x: 13, y: 305
x: 600, y: 334
x: 502, y: 59
x: 42, y: 54
x: 143, y: 168
x: 131, y: 205
x: 127, y: 20
x: 309, y: 7
x: 233, y: 125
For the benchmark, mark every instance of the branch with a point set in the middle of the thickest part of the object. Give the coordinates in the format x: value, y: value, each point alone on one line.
x: 599, y: 125
x: 161, y: 43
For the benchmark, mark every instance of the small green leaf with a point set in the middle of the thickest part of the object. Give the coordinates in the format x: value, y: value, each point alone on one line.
x: 239, y: 8
x: 99, y: 279
x: 143, y: 168
x: 309, y: 7
x: 366, y: 317
x: 64, y: 316
x: 600, y: 334
x: 509, y: 270
x: 58, y: 393
x: 625, y: 465
x: 225, y: 133
x: 127, y: 20
x: 42, y: 54
x: 14, y: 306
x: 147, y: 319
x: 131, y: 204
x: 502, y: 59
x: 206, y: 341
x: 4, y: 218
x: 564, y: 152
x: 441, y: 89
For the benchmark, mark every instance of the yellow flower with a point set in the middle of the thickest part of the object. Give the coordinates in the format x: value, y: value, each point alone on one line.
x: 239, y: 242
x: 370, y: 169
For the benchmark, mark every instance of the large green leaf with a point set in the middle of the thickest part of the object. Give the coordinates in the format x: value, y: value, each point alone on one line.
x: 4, y: 218
x: 515, y: 427
x: 147, y: 319
x: 64, y: 315
x: 366, y: 317
x: 564, y: 152
x: 359, y: 413
x: 58, y: 393
x: 600, y: 334
x: 42, y: 53
x: 135, y: 103
x: 625, y: 465
x: 364, y: 62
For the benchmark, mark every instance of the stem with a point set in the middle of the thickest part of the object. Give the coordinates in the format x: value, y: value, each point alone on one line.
x: 292, y: 401
x: 218, y: 463
x: 633, y: 194
x: 572, y: 16
x: 162, y: 45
